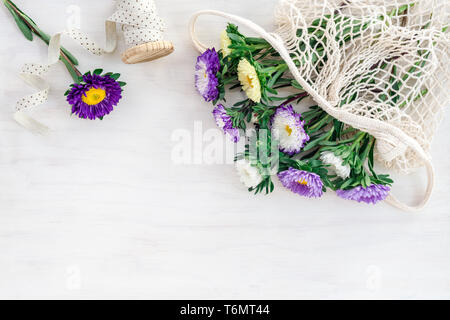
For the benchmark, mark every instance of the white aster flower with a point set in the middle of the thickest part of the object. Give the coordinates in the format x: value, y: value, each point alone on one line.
x: 249, y: 80
x: 225, y: 42
x: 249, y: 174
x: 288, y: 129
x: 336, y: 164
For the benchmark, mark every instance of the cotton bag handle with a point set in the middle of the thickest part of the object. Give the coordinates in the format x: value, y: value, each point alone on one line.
x: 366, y: 124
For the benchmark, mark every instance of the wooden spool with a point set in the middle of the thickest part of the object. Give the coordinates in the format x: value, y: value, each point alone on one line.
x: 148, y: 52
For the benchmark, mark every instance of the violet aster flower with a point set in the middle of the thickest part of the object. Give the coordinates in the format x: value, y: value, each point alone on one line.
x: 225, y: 123
x: 288, y: 128
x: 95, y: 96
x: 371, y: 194
x: 304, y: 183
x: 206, y: 69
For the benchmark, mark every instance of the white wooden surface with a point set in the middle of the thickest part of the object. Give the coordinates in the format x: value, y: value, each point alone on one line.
x: 99, y: 210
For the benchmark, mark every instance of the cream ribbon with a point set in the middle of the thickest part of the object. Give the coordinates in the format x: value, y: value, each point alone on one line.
x: 140, y: 23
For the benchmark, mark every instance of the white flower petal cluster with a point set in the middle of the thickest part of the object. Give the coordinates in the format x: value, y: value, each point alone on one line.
x: 336, y: 164
x: 288, y: 128
x: 249, y: 174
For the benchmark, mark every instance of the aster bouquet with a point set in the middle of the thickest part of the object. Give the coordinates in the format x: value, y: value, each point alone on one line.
x: 93, y: 95
x: 313, y: 152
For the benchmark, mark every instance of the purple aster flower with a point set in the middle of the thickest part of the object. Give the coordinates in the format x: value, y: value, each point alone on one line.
x: 206, y: 69
x: 304, y: 183
x: 224, y: 122
x: 95, y: 96
x: 288, y: 128
x: 371, y: 194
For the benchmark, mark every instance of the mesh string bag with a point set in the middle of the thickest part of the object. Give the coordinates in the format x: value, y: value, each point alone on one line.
x: 379, y: 66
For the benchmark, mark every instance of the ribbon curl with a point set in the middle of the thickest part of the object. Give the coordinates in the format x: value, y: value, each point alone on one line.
x: 140, y: 23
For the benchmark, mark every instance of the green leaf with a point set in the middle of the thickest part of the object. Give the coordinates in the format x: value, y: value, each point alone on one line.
x: 251, y: 40
x: 275, y: 77
x: 296, y: 85
x: 72, y: 72
x: 346, y: 184
x: 70, y: 56
x: 225, y: 69
x: 272, y: 91
x: 122, y: 84
x: 98, y: 72
x: 236, y: 38
x: 367, y: 181
x: 20, y: 23
x: 115, y: 76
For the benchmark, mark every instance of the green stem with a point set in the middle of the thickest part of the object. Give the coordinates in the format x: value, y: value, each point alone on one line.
x: 66, y: 57
x: 229, y: 80
x: 295, y: 98
x: 361, y: 136
x: 320, y: 123
x: 319, y: 150
x: 366, y: 152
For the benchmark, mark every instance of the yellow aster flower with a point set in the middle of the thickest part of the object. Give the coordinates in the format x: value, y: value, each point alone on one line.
x: 225, y: 42
x: 249, y: 80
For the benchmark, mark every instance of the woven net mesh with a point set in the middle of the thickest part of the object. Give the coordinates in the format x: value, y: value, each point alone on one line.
x: 383, y: 60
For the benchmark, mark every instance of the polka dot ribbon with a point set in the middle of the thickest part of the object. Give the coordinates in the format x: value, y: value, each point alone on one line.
x: 140, y: 24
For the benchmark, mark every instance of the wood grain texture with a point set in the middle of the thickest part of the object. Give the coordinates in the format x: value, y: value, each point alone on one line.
x: 148, y: 52
x: 100, y: 210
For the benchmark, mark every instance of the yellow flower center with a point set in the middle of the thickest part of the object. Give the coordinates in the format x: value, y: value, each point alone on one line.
x: 94, y: 96
x: 250, y: 81
x: 302, y: 182
x: 288, y: 130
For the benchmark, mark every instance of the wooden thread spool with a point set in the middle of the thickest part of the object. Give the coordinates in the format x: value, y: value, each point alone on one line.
x: 143, y: 30
x: 148, y: 52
